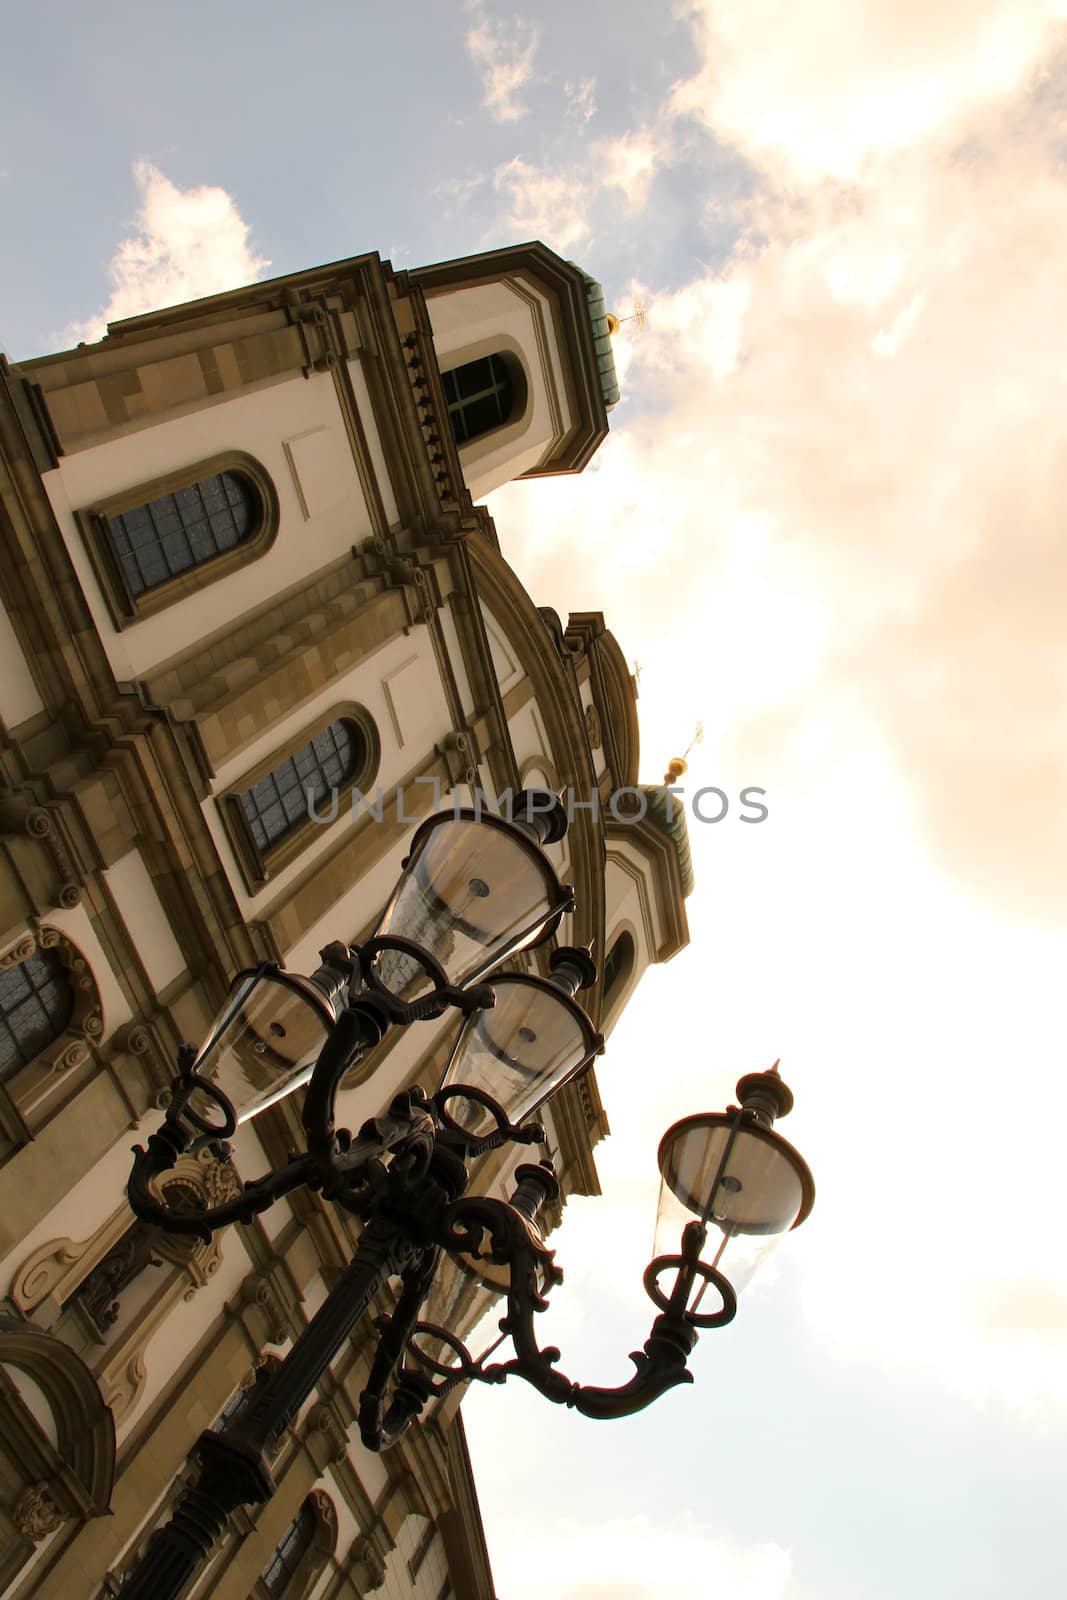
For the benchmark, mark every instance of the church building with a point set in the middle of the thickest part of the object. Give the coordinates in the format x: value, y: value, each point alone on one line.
x: 247, y: 586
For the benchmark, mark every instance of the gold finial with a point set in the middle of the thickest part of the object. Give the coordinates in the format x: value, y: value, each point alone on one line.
x: 678, y: 766
x: 638, y: 315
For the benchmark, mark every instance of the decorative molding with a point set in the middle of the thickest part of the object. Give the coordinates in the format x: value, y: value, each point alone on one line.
x: 365, y: 1564
x: 322, y: 1418
x: 259, y: 1289
x: 36, y: 1513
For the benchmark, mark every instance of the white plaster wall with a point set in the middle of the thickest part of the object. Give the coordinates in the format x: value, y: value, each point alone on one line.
x: 401, y: 688
x: 181, y: 1331
x: 259, y: 424
x: 18, y: 692
x: 131, y: 886
x: 82, y: 1209
x: 507, y: 663
x: 455, y: 656
x: 630, y: 902
x: 462, y: 319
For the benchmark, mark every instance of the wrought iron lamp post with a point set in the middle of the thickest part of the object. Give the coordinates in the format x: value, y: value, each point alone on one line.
x: 474, y: 890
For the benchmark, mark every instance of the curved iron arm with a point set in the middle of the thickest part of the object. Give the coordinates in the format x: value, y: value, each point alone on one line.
x: 506, y: 1233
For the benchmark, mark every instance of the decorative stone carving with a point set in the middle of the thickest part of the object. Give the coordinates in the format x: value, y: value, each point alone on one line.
x: 218, y: 1179
x: 86, y: 1026
x: 593, y: 731
x: 322, y: 1418
x: 36, y: 1513
x: 18, y: 952
x: 367, y: 1566
x: 258, y: 1289
x: 324, y: 1508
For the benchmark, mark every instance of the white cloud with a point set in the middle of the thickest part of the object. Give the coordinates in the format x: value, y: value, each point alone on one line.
x: 581, y: 99
x: 631, y: 161
x: 186, y: 243
x: 830, y: 90
x: 635, y: 1559
x: 832, y: 529
x: 542, y: 205
x: 503, y: 53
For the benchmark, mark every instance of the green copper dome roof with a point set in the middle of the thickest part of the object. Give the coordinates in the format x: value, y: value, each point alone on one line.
x: 667, y: 811
x: 598, y: 319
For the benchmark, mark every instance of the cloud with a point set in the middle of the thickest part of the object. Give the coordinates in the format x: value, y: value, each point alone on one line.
x: 542, y: 205
x: 829, y: 522
x: 186, y: 243
x: 635, y: 1559
x: 825, y: 90
x: 631, y: 161
x: 504, y: 54
x: 581, y: 101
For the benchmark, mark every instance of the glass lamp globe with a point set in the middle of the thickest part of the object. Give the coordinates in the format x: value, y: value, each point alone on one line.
x: 264, y: 1044
x: 741, y: 1179
x: 520, y: 1052
x: 475, y: 888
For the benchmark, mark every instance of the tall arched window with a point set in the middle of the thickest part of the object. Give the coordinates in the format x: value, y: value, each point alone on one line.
x: 274, y: 810
x: 50, y: 1018
x: 292, y: 1548
x: 481, y: 395
x: 303, y: 1549
x: 618, y: 966
x: 280, y: 800
x: 161, y: 541
x: 165, y: 536
x: 36, y: 1005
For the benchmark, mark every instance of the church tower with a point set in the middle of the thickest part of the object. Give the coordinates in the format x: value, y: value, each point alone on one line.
x: 246, y: 583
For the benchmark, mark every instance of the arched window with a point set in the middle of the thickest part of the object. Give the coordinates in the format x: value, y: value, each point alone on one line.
x: 279, y: 801
x: 292, y: 1548
x: 481, y: 396
x: 165, y: 536
x: 36, y: 1005
x: 273, y: 811
x: 160, y: 542
x: 618, y: 966
x: 303, y: 1549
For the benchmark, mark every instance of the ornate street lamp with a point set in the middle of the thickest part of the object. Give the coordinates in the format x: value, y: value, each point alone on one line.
x: 474, y: 890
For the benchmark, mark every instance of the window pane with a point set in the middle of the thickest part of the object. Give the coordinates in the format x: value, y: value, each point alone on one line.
x: 36, y: 1003
x: 279, y: 802
x: 479, y: 396
x: 174, y: 532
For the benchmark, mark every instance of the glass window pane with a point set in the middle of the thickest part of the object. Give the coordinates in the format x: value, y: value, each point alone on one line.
x: 36, y: 1004
x: 170, y: 534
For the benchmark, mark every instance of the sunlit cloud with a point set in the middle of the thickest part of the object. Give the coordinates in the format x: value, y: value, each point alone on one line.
x: 536, y: 204
x: 828, y: 520
x: 503, y: 53
x: 185, y: 243
x: 581, y: 99
x: 829, y: 91
x: 637, y: 1559
x: 631, y: 161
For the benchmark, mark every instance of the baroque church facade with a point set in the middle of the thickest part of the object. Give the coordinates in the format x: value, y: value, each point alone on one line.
x: 244, y: 567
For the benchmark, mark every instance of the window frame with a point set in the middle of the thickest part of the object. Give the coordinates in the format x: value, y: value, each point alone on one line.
x: 37, y: 1089
x: 321, y: 1545
x: 123, y: 605
x: 257, y: 866
x: 506, y: 351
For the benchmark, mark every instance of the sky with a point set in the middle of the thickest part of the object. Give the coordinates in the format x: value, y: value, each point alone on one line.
x: 827, y: 523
